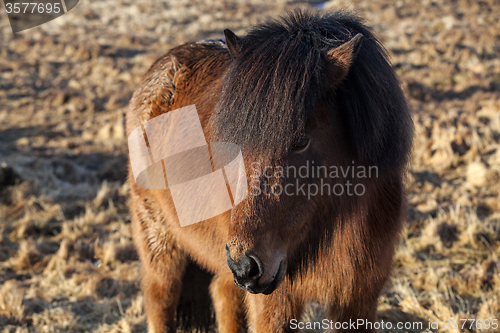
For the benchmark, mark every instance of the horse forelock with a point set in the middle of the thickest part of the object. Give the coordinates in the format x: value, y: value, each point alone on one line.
x: 269, y: 91
x: 274, y: 84
x: 272, y: 88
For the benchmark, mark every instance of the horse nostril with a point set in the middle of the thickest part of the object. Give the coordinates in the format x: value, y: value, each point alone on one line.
x: 248, y: 267
x: 255, y: 267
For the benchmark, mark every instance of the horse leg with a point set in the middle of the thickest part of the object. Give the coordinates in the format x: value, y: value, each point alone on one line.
x: 228, y: 304
x: 161, y: 285
x: 348, y: 318
x: 162, y: 266
x: 271, y: 313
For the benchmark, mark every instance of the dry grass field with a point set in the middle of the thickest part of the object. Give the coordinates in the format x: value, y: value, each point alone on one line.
x: 67, y: 261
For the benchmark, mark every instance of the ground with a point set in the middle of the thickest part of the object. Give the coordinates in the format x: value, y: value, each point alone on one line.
x: 67, y: 261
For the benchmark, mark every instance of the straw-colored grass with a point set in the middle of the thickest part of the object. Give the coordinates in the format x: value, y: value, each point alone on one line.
x: 67, y: 260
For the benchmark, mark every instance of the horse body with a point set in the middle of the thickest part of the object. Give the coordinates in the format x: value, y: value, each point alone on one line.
x: 303, y: 79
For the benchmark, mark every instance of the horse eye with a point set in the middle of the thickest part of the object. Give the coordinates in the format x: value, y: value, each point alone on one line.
x: 300, y: 144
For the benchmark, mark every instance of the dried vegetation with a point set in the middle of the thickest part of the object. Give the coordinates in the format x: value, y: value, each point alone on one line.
x: 67, y: 261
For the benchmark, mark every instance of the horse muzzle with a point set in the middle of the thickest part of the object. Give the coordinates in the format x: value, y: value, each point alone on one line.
x: 248, y: 271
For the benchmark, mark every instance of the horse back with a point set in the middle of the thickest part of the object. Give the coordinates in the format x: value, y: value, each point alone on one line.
x: 187, y: 74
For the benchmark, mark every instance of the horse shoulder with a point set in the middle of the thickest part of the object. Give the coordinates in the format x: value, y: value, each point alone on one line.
x: 156, y: 92
x: 164, y: 81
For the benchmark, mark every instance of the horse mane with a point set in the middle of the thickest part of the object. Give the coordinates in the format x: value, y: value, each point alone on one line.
x: 271, y: 89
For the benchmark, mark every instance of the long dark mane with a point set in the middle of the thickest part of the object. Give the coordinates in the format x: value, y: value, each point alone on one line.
x: 271, y: 89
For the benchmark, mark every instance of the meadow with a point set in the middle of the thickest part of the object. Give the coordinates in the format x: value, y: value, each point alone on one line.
x: 67, y: 260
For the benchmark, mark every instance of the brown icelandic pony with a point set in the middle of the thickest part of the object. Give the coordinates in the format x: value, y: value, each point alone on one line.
x: 305, y: 88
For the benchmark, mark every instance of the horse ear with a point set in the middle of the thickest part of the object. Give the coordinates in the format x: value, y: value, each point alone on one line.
x: 233, y: 43
x: 373, y: 107
x: 339, y: 59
